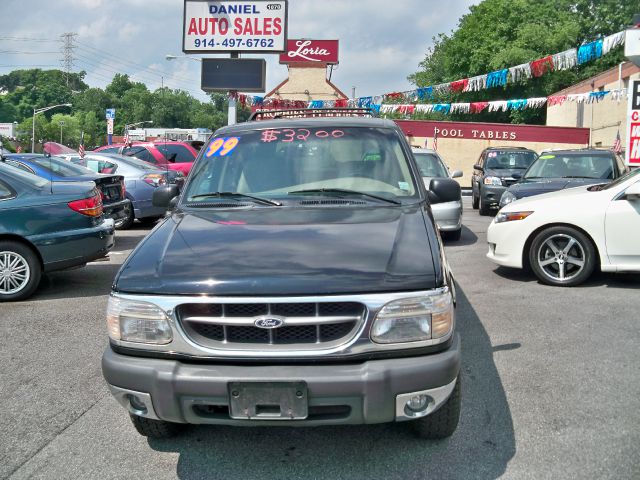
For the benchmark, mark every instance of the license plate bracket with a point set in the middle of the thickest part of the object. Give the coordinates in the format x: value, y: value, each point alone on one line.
x: 268, y: 400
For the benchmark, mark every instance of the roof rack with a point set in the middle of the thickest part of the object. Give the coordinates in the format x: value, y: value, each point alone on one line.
x: 310, y: 113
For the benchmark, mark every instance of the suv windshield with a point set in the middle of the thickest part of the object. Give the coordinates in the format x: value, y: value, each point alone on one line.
x: 572, y: 165
x: 430, y: 165
x: 274, y: 163
x: 509, y: 159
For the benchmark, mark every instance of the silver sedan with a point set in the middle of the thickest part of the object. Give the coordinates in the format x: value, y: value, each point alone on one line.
x: 448, y: 215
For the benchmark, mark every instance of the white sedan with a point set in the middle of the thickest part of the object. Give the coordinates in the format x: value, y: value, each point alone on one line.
x: 563, y: 236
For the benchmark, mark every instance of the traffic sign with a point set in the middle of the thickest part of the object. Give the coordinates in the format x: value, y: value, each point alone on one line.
x: 111, y: 113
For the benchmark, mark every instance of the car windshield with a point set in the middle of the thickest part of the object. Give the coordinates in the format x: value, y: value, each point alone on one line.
x: 430, y: 165
x: 301, y: 161
x: 509, y: 159
x: 621, y: 179
x: 22, y: 176
x: 61, y: 167
x: 572, y: 165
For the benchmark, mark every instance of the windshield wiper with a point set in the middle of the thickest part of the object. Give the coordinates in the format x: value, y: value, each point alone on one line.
x: 580, y: 176
x: 345, y: 191
x: 266, y: 201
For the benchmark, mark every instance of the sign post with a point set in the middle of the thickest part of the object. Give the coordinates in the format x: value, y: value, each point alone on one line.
x: 110, y: 116
x: 632, y: 155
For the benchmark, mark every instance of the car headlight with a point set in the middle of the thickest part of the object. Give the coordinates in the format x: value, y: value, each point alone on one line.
x: 414, y: 319
x: 136, y: 321
x: 492, y: 181
x: 502, y: 217
x: 506, y: 198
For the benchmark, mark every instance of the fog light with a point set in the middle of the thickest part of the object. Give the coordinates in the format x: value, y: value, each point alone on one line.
x: 417, y: 403
x: 137, y: 404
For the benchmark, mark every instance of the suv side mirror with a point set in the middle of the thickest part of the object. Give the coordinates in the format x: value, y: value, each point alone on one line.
x: 633, y: 192
x: 478, y: 167
x: 456, y: 174
x: 163, y: 195
x: 517, y: 176
x: 443, y: 190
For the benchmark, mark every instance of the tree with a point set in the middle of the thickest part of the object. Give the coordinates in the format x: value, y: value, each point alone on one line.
x: 502, y: 33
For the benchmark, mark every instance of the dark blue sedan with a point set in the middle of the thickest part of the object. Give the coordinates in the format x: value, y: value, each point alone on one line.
x: 56, y: 169
x: 560, y: 169
x: 46, y: 226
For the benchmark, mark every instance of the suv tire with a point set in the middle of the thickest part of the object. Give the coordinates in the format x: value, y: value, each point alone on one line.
x: 444, y: 421
x: 155, y: 428
x: 25, y: 269
x: 475, y: 201
x: 547, y: 264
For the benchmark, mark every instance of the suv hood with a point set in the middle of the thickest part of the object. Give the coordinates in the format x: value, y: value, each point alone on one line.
x: 283, y: 251
x: 502, y: 172
x: 527, y: 188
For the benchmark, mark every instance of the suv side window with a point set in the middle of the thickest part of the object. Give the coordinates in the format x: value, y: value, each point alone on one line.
x: 182, y: 153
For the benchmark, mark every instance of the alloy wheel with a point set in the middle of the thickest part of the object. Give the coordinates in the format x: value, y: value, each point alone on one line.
x: 14, y: 272
x: 561, y: 257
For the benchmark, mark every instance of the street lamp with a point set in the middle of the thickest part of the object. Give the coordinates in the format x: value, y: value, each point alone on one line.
x: 231, y: 115
x: 61, y: 125
x: 36, y: 111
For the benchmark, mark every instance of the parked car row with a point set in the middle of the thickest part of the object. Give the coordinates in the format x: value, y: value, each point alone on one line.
x: 163, y: 154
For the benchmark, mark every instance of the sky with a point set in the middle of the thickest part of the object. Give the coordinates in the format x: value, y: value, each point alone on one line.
x: 381, y: 42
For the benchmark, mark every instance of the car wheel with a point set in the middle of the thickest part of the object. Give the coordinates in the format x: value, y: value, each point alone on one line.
x: 20, y: 271
x: 484, y: 208
x: 125, y: 222
x: 444, y: 421
x: 562, y: 256
x: 475, y: 201
x: 453, y: 235
x: 151, y: 428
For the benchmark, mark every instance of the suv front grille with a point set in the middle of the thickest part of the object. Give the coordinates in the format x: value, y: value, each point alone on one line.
x: 233, y: 325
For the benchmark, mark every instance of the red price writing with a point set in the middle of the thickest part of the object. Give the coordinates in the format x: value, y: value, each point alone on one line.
x: 289, y: 135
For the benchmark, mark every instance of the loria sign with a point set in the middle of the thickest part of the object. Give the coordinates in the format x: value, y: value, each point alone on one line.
x: 311, y: 51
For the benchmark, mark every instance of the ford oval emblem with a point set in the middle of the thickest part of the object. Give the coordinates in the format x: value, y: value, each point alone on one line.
x: 268, y: 322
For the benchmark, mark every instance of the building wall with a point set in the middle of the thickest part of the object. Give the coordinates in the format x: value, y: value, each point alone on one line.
x: 604, y: 119
x: 311, y: 79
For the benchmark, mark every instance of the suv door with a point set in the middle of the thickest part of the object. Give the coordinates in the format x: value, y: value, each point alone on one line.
x: 476, y: 178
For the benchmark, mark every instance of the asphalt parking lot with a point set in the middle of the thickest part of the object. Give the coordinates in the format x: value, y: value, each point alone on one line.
x: 551, y: 389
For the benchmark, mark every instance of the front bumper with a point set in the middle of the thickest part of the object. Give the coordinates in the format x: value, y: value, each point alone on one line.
x: 448, y: 215
x: 506, y: 243
x: 491, y: 194
x: 367, y: 392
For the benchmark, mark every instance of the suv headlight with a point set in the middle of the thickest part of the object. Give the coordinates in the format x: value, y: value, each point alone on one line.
x: 506, y: 198
x: 414, y: 319
x: 492, y: 181
x: 136, y: 321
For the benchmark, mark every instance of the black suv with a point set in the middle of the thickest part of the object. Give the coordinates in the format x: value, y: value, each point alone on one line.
x: 494, y: 173
x: 298, y: 280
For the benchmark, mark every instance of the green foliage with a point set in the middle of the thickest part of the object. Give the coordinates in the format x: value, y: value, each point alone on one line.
x: 502, y: 33
x: 26, y: 90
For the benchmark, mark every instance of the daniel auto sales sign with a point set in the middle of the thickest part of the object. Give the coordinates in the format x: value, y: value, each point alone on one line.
x: 232, y: 26
x: 311, y: 51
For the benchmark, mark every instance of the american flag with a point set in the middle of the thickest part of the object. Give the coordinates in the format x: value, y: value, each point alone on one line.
x: 617, y: 145
x: 81, y: 147
x: 127, y: 142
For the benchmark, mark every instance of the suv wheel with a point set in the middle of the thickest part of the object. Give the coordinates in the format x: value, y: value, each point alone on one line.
x: 20, y: 271
x: 562, y: 256
x: 155, y: 428
x: 475, y: 201
x: 444, y: 421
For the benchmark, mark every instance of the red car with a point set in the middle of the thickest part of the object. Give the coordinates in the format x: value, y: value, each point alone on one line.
x: 165, y: 154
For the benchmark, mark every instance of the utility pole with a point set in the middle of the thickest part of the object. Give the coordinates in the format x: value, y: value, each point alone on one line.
x: 67, y: 52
